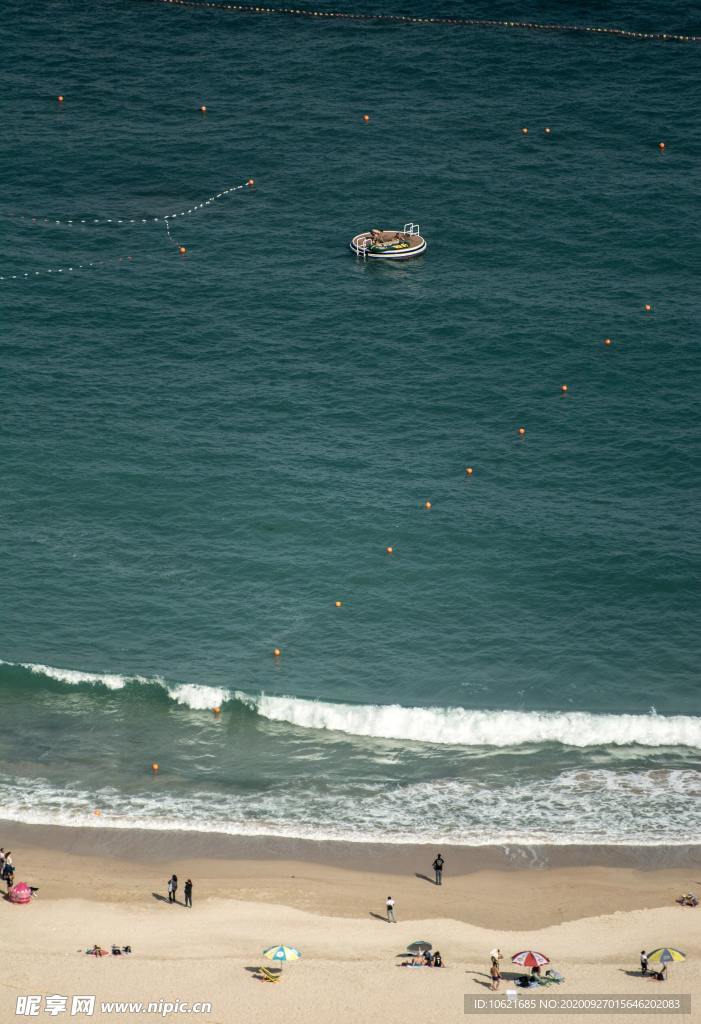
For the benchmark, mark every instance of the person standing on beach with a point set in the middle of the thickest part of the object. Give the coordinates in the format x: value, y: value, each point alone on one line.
x: 188, y: 893
x: 391, y: 919
x: 8, y: 870
x: 643, y: 963
x: 172, y: 888
x: 438, y: 868
x: 495, y: 975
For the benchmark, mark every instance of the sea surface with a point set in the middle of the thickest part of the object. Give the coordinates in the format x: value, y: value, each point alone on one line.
x: 202, y: 452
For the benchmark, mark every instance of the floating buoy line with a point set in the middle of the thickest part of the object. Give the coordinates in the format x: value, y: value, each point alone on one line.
x: 119, y: 221
x: 415, y: 19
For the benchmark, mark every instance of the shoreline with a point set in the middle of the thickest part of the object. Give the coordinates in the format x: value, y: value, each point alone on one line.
x: 146, y: 844
x: 536, y: 886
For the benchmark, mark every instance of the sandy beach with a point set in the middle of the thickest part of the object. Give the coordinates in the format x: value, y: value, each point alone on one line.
x: 108, y: 886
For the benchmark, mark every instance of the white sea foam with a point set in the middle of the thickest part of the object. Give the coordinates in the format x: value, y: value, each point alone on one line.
x: 454, y: 726
x: 199, y: 698
x: 73, y: 677
x: 462, y: 727
x: 597, y: 807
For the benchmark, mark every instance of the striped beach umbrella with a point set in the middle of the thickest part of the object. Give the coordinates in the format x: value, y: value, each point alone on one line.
x: 282, y: 954
x: 663, y: 955
x: 529, y: 958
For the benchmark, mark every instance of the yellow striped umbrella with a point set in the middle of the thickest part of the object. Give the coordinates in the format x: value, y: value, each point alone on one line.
x: 283, y: 954
x: 663, y: 955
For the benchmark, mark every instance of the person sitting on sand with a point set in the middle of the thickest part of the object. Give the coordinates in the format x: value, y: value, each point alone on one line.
x: 96, y: 951
x: 660, y: 975
x: 428, y: 959
x: 438, y: 959
x: 688, y: 900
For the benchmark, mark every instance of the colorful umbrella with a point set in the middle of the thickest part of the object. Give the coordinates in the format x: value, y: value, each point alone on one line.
x: 529, y: 958
x: 666, y: 956
x: 282, y: 954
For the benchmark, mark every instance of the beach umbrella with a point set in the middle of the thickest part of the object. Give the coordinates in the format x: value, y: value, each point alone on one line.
x: 529, y: 958
x: 666, y: 956
x: 282, y: 954
x: 419, y: 946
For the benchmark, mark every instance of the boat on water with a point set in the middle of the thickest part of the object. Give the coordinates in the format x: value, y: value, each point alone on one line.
x: 389, y: 245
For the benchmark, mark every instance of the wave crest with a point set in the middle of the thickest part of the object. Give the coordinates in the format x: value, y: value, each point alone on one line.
x: 450, y: 726
x: 461, y: 727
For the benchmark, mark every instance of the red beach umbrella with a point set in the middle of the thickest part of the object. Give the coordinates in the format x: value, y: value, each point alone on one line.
x: 529, y: 958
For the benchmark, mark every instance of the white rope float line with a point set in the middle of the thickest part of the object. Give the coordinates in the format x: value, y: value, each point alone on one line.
x: 115, y: 220
x: 63, y: 270
x: 93, y: 221
x: 411, y: 19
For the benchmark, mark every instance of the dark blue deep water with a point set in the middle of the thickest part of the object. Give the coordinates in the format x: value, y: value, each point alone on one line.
x: 202, y: 452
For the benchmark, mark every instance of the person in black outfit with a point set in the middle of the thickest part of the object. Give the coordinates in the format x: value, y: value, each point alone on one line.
x: 172, y: 888
x: 188, y: 893
x: 438, y: 868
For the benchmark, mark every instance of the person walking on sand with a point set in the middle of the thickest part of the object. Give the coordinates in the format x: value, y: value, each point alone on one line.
x: 172, y: 888
x: 438, y: 868
x: 391, y: 919
x: 188, y: 893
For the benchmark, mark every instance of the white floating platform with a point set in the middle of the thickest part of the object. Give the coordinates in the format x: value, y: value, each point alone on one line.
x: 389, y: 245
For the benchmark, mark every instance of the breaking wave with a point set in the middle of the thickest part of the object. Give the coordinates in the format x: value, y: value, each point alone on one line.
x: 433, y: 725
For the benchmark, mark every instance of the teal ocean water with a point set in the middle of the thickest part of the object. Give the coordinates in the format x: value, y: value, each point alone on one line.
x: 202, y: 452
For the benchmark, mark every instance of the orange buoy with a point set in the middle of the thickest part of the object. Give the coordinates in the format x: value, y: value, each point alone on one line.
x: 660, y: 145
x: 648, y: 307
x: 338, y: 603
x: 182, y: 250
x: 251, y: 182
x: 522, y: 431
x: 155, y: 766
x: 203, y: 109
x: 469, y: 470
x: 524, y: 131
x: 60, y: 99
x: 277, y: 652
x: 366, y: 118
x: 607, y: 341
x: 389, y: 550
x: 216, y: 711
x: 428, y: 505
x: 564, y: 388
